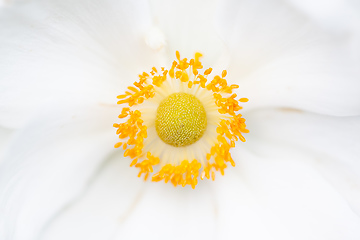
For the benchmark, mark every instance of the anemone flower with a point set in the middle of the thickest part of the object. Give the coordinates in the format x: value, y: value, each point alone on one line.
x: 62, y: 65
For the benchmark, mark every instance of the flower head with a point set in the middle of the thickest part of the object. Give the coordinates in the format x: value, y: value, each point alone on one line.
x: 181, y: 123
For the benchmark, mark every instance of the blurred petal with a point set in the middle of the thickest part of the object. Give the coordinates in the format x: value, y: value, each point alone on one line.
x: 332, y: 144
x: 188, y: 27
x: 109, y: 200
x: 49, y: 163
x: 5, y: 138
x: 168, y: 212
x: 338, y: 16
x: 279, y: 58
x: 274, y: 194
x: 121, y: 206
x: 69, y: 51
x: 341, y: 17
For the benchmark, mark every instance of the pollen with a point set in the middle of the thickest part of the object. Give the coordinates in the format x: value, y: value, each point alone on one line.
x: 178, y: 126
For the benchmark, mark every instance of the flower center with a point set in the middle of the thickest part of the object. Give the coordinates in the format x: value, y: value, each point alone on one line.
x: 180, y: 119
x: 196, y: 120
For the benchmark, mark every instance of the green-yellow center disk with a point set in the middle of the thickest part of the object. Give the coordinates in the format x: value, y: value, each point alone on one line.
x: 180, y: 119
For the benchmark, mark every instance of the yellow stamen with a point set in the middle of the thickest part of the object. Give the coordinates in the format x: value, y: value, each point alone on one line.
x: 192, y: 129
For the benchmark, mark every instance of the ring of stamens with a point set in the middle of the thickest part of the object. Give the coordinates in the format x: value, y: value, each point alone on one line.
x: 147, y: 130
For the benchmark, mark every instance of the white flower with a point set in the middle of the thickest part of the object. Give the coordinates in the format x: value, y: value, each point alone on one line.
x: 63, y: 63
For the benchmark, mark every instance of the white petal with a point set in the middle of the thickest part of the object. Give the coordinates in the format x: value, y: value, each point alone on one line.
x: 120, y: 206
x: 176, y: 213
x: 278, y: 196
x: 332, y: 143
x: 188, y: 26
x: 338, y: 16
x: 341, y: 17
x: 102, y: 209
x: 66, y: 50
x: 281, y: 59
x: 49, y: 163
x: 5, y: 137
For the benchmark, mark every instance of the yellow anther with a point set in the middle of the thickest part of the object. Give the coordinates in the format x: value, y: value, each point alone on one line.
x: 184, y: 77
x: 198, y: 56
x: 117, y: 145
x: 208, y: 71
